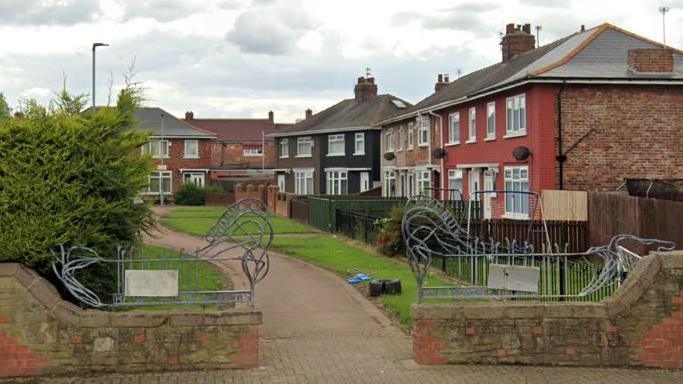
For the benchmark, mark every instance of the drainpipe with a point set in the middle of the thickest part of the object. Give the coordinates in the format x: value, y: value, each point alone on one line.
x: 561, y: 158
x: 430, y: 151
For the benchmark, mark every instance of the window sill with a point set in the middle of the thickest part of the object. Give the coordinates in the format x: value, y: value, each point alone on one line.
x: 335, y: 154
x: 515, y: 216
x: 359, y: 153
x: 252, y: 155
x: 517, y: 134
x: 423, y: 145
x: 471, y: 141
x: 284, y: 157
x: 489, y: 139
x: 155, y: 193
x: 410, y: 148
x: 452, y: 144
x: 191, y: 157
x: 161, y: 157
x: 302, y: 156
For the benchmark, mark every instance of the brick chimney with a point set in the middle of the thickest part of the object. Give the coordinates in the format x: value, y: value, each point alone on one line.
x: 271, y: 116
x: 365, y: 89
x: 309, y: 113
x: 189, y: 115
x: 653, y: 60
x: 441, y: 82
x: 517, y: 40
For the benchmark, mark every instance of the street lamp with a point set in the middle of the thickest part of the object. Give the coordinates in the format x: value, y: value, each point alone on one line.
x: 95, y: 45
x: 663, y: 10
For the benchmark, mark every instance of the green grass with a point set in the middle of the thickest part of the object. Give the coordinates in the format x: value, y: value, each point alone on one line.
x: 198, y: 220
x: 338, y: 256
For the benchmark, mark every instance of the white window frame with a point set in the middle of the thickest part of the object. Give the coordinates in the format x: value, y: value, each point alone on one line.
x: 303, y: 181
x: 252, y: 150
x: 161, y: 175
x: 188, y: 176
x: 491, y: 121
x: 472, y: 125
x: 303, y: 142
x: 411, y: 135
x: 424, y: 182
x: 336, y: 139
x: 187, y: 155
x: 453, y: 128
x: 423, y: 132
x: 284, y: 148
x: 390, y: 140
x: 157, y: 154
x: 515, y: 116
x: 389, y: 180
x: 490, y: 182
x: 400, y: 139
x: 453, y: 175
x: 337, y: 182
x: 515, y: 181
x: 359, y: 144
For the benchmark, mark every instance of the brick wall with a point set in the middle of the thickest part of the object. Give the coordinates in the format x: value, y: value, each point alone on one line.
x: 651, y: 60
x: 250, y: 191
x: 40, y: 334
x: 176, y: 160
x: 621, y: 132
x: 232, y: 155
x: 641, y: 325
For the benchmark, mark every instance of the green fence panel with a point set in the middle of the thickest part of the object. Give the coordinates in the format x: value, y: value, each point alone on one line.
x: 322, y: 208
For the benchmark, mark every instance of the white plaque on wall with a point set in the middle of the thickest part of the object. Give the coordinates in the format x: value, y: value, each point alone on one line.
x: 151, y: 283
x: 513, y: 278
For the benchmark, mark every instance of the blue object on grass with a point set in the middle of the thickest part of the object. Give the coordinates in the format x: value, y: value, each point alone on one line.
x: 357, y: 278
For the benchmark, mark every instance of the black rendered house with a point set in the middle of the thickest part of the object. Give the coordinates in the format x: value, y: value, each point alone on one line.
x: 336, y: 151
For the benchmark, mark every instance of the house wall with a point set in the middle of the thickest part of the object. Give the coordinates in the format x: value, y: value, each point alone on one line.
x: 299, y: 162
x: 231, y: 155
x: 176, y: 159
x: 621, y: 132
x: 369, y: 160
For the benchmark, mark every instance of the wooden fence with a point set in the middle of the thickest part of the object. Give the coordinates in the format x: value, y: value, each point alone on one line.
x: 572, y: 234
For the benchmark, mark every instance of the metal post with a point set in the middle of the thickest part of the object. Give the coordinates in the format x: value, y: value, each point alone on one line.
x: 94, y: 46
x: 161, y: 178
x: 663, y: 10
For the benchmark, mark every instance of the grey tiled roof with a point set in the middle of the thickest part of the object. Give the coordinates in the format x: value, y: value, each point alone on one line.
x: 150, y: 120
x: 348, y: 114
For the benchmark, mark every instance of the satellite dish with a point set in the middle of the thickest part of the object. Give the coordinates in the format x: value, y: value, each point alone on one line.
x: 521, y: 153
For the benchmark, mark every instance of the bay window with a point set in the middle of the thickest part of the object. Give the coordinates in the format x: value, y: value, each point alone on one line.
x: 157, y: 180
x: 337, y: 183
x: 303, y: 182
x: 389, y: 183
x: 424, y: 182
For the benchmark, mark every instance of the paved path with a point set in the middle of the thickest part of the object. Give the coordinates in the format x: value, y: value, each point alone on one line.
x: 319, y: 330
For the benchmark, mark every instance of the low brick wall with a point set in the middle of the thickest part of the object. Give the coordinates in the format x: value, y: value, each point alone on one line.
x: 641, y: 325
x: 41, y: 334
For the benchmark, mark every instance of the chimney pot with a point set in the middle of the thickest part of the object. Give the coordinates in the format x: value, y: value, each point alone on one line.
x: 189, y: 115
x: 446, y: 78
x: 527, y: 28
x: 510, y: 29
x: 309, y: 113
x: 439, y: 78
x: 271, y: 116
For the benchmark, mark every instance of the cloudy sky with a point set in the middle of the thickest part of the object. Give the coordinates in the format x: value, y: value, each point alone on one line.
x: 241, y: 58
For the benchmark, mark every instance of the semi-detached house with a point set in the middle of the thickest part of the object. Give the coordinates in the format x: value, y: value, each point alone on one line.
x: 581, y: 113
x: 336, y: 151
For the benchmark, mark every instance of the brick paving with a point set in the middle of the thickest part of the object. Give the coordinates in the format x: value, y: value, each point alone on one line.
x: 319, y: 330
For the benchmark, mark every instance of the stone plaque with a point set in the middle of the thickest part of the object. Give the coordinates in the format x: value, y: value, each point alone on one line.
x: 151, y: 283
x: 514, y: 278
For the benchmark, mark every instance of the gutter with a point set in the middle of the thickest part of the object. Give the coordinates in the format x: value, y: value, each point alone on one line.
x: 324, y: 130
x: 430, y: 152
x: 561, y: 158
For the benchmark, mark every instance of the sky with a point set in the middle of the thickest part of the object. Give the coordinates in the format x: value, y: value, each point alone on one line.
x: 242, y: 58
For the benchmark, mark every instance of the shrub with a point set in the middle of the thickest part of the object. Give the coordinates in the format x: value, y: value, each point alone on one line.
x: 190, y: 194
x: 71, y: 178
x: 389, y: 240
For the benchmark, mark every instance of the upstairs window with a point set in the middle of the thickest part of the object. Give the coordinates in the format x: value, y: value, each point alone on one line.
x: 390, y: 140
x: 515, y: 115
x: 335, y: 145
x: 473, y: 125
x: 423, y: 132
x: 400, y: 139
x: 454, y: 128
x: 191, y: 149
x: 252, y: 150
x: 156, y: 148
x: 491, y: 120
x: 411, y: 134
x: 284, y: 148
x: 304, y: 146
x: 359, y: 144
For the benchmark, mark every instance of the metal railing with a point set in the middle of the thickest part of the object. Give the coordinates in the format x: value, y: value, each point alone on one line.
x: 357, y: 226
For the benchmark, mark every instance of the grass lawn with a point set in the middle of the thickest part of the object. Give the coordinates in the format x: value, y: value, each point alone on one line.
x: 338, y: 256
x: 198, y: 220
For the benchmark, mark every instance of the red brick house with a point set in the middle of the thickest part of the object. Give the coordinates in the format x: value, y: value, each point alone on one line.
x: 581, y: 113
x: 243, y: 149
x: 180, y: 152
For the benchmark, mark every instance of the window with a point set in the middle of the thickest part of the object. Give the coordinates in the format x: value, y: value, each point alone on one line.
x: 473, y: 125
x: 390, y: 183
x: 303, y: 182
x: 423, y: 132
x: 454, y: 128
x: 156, y: 148
x: 284, y: 147
x: 424, y: 182
x: 390, y: 140
x: 411, y: 134
x: 454, y: 184
x: 191, y: 149
x: 491, y: 120
x: 359, y: 144
x: 303, y: 146
x: 252, y: 150
x: 516, y: 115
x: 337, y: 183
x: 159, y: 179
x: 196, y: 178
x: 517, y: 180
x: 400, y: 139
x: 335, y: 145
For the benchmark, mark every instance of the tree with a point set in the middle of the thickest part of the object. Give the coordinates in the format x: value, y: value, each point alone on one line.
x: 5, y: 110
x: 72, y: 178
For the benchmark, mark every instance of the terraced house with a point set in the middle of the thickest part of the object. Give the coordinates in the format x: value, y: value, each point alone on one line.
x: 336, y: 151
x: 581, y: 113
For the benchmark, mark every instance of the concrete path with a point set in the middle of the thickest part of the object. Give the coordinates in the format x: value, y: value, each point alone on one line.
x: 319, y: 330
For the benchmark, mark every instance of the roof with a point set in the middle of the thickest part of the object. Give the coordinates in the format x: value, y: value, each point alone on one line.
x: 237, y: 129
x: 150, y: 119
x: 349, y: 115
x: 597, y: 53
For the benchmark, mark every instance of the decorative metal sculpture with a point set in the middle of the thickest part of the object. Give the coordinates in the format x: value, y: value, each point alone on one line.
x: 243, y: 233
x: 431, y: 232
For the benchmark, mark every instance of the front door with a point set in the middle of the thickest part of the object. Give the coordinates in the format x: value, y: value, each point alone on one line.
x: 474, y: 184
x: 489, y: 185
x: 364, y: 181
x: 281, y: 182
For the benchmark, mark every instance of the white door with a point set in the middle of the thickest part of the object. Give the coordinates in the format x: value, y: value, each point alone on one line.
x: 404, y: 187
x: 281, y: 182
x: 489, y: 185
x: 364, y: 181
x: 411, y: 184
x: 194, y: 177
x: 474, y: 185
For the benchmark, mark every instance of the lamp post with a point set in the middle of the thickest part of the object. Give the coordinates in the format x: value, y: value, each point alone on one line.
x: 94, y: 46
x: 663, y: 10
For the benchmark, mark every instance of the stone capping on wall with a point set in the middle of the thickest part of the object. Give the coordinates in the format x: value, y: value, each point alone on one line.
x: 621, y: 331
